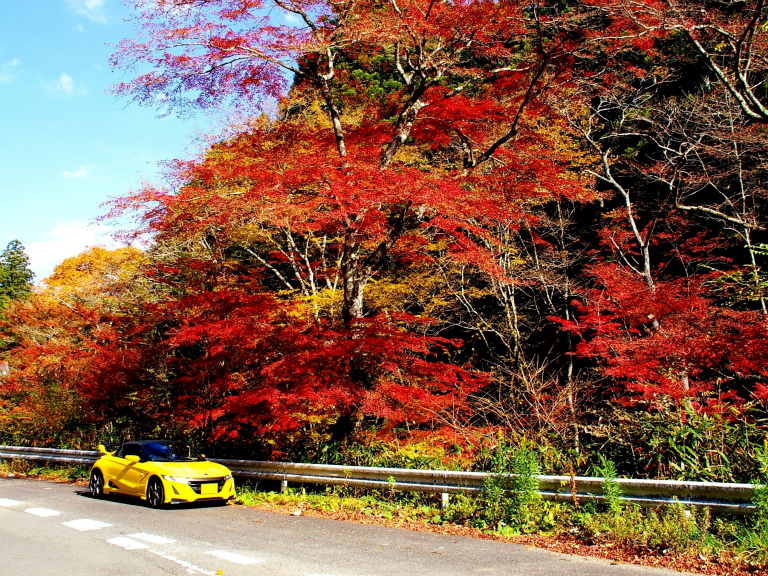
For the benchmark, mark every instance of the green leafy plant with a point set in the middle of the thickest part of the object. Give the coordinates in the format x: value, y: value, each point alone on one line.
x: 611, y: 488
x: 510, y: 498
x: 525, y: 498
x: 753, y: 541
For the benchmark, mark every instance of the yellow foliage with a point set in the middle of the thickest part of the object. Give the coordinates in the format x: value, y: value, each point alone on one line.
x: 422, y: 288
x: 96, y: 275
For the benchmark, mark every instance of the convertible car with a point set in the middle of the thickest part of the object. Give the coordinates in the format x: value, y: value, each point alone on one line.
x: 160, y: 472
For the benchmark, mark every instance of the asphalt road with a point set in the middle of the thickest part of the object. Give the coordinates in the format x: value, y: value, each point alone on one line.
x: 58, y: 529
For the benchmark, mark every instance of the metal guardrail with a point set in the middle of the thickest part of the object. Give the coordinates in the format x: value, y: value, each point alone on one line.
x: 55, y: 455
x: 719, y: 497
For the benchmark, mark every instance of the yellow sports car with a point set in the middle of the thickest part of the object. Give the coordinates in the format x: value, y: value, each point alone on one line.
x: 160, y: 472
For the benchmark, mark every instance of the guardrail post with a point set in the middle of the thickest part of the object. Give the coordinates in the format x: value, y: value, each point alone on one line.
x: 283, y: 485
x: 444, y: 500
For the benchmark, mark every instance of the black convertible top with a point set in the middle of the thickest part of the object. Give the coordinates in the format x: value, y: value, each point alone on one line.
x: 142, y: 442
x: 154, y: 450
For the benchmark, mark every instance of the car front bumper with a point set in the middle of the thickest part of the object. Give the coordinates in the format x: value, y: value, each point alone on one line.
x: 198, y: 491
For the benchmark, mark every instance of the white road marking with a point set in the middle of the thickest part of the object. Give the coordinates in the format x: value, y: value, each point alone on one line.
x: 42, y: 512
x: 127, y: 543
x: 5, y: 502
x: 232, y: 557
x: 191, y: 568
x: 151, y: 538
x: 85, y: 524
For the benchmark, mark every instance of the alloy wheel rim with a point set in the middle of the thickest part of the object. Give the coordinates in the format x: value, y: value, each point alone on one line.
x: 95, y: 485
x: 154, y: 494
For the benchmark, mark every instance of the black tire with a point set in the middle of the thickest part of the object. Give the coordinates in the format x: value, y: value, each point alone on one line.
x: 155, y: 493
x: 96, y: 484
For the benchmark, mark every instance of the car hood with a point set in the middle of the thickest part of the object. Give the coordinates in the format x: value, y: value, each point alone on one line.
x: 203, y: 469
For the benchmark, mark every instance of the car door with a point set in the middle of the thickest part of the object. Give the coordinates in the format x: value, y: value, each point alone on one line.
x: 128, y: 474
x: 134, y: 475
x: 111, y: 466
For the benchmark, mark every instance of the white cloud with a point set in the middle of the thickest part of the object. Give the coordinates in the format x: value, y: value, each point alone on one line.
x: 67, y: 239
x: 292, y: 19
x: 6, y: 71
x: 65, y: 86
x: 80, y: 173
x: 91, y: 9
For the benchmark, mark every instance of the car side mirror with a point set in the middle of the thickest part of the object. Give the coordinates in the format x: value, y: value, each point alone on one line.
x: 102, y: 449
x: 133, y: 458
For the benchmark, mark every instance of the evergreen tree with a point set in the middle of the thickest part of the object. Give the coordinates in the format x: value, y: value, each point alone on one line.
x: 15, y: 274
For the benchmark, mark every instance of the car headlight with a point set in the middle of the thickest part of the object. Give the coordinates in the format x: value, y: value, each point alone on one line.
x: 228, y: 476
x: 177, y: 479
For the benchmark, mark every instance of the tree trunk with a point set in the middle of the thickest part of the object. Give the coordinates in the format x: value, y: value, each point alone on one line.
x: 353, y: 279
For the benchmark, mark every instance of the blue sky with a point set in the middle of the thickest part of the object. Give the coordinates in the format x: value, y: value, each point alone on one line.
x: 66, y: 146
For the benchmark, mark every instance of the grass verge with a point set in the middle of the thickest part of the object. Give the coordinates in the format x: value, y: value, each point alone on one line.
x: 53, y: 473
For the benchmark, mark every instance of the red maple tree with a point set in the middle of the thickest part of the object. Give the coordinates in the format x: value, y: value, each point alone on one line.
x: 430, y: 130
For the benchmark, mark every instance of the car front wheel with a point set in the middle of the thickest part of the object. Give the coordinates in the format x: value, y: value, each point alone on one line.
x: 155, y: 493
x: 96, y: 484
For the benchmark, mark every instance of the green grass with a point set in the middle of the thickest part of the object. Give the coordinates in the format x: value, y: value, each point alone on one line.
x: 348, y: 502
x: 57, y: 473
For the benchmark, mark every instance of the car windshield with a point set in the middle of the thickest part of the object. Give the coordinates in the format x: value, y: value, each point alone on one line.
x: 167, y: 452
